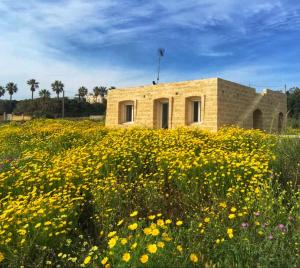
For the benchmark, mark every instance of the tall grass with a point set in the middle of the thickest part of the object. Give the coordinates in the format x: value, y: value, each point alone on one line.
x: 286, y: 164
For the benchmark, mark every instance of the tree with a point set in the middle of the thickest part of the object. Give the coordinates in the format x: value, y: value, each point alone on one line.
x: 293, y: 102
x: 45, y: 94
x: 97, y: 91
x: 11, y: 88
x: 57, y: 87
x: 2, y: 91
x: 82, y: 92
x: 33, y: 86
x: 103, y: 91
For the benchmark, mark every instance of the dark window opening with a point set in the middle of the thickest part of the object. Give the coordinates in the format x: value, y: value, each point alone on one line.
x: 165, y: 115
x: 129, y: 113
x: 196, y: 111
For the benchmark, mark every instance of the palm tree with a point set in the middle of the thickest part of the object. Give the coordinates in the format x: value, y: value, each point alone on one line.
x: 57, y: 87
x: 11, y: 88
x: 45, y: 94
x: 82, y: 91
x: 97, y: 91
x: 2, y: 91
x: 103, y: 91
x: 33, y: 86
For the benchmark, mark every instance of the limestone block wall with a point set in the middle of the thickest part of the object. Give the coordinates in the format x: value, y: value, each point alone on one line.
x: 236, y: 104
x: 222, y: 103
x: 176, y: 94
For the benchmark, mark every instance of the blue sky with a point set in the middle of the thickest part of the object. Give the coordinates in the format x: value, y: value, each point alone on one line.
x: 115, y: 42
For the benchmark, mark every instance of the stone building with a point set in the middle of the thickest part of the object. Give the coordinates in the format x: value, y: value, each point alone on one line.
x: 91, y: 98
x: 208, y: 104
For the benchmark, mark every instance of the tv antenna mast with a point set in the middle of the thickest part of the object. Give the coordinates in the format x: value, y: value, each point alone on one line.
x: 161, y: 53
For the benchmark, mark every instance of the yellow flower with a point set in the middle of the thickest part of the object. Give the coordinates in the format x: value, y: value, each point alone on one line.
x: 111, y: 234
x: 22, y: 232
x: 223, y: 205
x: 168, y: 221
x: 179, y: 248
x: 47, y: 223
x: 112, y: 242
x: 230, y: 232
x: 133, y: 246
x: 134, y: 213
x: 153, y: 225
x: 218, y: 241
x: 87, y: 260
x: 231, y: 216
x: 94, y: 248
x: 1, y: 257
x: 120, y: 222
x: 155, y: 232
x: 126, y: 257
x: 233, y: 209
x: 160, y: 222
x: 178, y: 223
x: 144, y: 258
x: 151, y: 217
x: 207, y: 220
x: 194, y: 258
x: 160, y: 244
x: 133, y: 226
x: 166, y: 237
x: 123, y: 241
x: 37, y: 225
x: 147, y: 231
x: 104, y: 260
x: 152, y: 248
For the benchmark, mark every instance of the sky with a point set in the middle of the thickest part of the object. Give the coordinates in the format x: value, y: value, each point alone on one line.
x: 114, y: 42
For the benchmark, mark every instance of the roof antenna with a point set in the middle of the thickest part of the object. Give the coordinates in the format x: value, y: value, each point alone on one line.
x: 161, y: 53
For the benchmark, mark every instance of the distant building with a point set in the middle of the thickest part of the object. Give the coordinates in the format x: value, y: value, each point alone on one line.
x: 91, y: 98
x: 207, y: 104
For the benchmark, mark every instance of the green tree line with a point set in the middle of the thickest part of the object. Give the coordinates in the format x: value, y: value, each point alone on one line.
x: 293, y: 103
x: 45, y: 106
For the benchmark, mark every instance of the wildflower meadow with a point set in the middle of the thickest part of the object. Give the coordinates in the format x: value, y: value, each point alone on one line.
x: 76, y: 194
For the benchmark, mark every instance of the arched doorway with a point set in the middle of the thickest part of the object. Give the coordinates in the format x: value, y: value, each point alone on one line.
x: 257, y: 119
x: 280, y: 122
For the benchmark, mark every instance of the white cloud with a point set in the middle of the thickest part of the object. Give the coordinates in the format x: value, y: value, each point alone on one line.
x: 33, y: 33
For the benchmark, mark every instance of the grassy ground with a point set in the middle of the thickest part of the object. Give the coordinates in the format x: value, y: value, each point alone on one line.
x: 75, y: 194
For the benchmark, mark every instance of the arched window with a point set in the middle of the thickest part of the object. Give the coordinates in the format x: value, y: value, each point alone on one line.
x: 257, y: 119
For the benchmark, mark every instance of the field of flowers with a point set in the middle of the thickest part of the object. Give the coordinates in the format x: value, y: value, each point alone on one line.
x: 75, y: 194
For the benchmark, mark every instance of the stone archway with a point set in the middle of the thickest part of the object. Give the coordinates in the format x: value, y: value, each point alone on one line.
x: 258, y: 119
x: 280, y: 122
